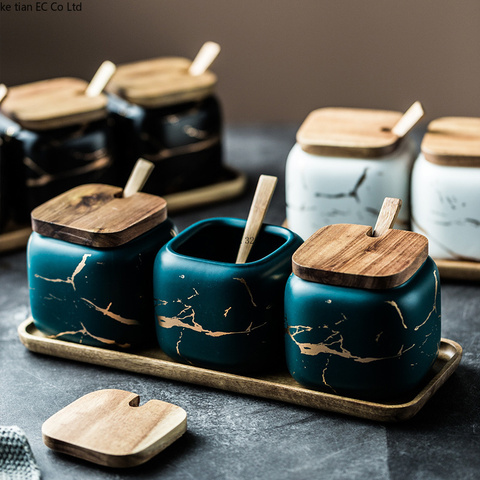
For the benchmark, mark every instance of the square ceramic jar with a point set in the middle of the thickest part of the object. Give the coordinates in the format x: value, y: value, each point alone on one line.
x: 214, y: 313
x: 90, y: 264
x: 57, y: 138
x: 169, y: 117
x: 446, y: 189
x: 345, y: 162
x: 362, y: 313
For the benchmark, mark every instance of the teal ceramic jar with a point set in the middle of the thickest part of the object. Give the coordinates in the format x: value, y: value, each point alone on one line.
x: 90, y: 263
x: 368, y: 331
x: 214, y: 313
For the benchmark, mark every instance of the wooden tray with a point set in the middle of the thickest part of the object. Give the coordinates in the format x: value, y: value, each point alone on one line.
x: 280, y: 386
x: 230, y: 184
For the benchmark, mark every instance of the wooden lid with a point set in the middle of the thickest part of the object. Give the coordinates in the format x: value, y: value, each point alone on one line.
x: 98, y: 216
x: 110, y: 427
x: 453, y: 141
x: 55, y: 103
x: 349, y: 132
x: 160, y: 82
x: 357, y: 256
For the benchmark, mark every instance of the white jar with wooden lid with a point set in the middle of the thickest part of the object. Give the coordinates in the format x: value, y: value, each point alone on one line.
x: 446, y: 188
x: 345, y: 162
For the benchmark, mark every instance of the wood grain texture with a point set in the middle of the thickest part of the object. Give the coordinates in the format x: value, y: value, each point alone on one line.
x: 98, y: 216
x: 347, y: 255
x: 54, y: 103
x: 261, y: 200
x: 349, y: 132
x: 108, y: 427
x: 276, y: 386
x: 453, y: 141
x: 160, y: 82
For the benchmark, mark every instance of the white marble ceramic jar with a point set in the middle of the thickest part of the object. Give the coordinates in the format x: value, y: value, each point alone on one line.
x: 345, y: 162
x: 446, y: 189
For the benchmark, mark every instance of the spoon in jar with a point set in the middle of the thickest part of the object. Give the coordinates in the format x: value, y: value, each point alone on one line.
x: 261, y: 200
x: 139, y: 176
x: 100, y: 79
x: 3, y: 92
x: 408, y: 120
x: 205, y: 57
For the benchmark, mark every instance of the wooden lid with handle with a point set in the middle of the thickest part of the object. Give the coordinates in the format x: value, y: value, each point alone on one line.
x: 102, y: 216
x: 55, y: 103
x: 355, y: 256
x: 356, y: 132
x: 166, y: 81
x: 453, y: 141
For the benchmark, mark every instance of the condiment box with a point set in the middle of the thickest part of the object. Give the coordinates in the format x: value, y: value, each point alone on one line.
x: 214, y: 313
x: 446, y: 188
x: 57, y: 138
x: 362, y: 313
x: 345, y: 162
x: 169, y: 117
x: 90, y: 264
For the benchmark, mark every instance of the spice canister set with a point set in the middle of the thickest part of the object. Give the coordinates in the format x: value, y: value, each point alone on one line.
x: 59, y: 133
x: 360, y: 314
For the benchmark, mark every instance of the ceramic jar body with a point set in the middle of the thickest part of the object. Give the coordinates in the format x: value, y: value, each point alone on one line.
x: 40, y: 165
x: 213, y: 313
x: 95, y: 296
x: 323, y: 190
x: 372, y: 344
x: 446, y: 209
x: 183, y: 140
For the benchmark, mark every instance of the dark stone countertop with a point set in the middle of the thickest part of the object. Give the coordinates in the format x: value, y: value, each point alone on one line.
x: 234, y: 436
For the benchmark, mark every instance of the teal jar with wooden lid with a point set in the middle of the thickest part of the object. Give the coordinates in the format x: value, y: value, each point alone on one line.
x: 90, y: 262
x: 362, y: 312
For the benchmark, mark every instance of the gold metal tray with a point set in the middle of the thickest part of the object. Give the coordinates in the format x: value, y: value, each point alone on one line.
x: 280, y: 386
x: 229, y: 184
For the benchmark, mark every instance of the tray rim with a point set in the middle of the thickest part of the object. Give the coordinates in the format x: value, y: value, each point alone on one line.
x: 266, y: 388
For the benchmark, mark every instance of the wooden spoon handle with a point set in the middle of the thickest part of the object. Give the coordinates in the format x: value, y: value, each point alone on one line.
x: 387, y: 216
x: 140, y: 173
x: 3, y: 92
x: 205, y: 57
x: 261, y: 200
x: 408, y: 120
x: 100, y: 79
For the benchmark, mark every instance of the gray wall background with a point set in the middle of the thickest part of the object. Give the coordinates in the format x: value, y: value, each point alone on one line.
x: 280, y: 58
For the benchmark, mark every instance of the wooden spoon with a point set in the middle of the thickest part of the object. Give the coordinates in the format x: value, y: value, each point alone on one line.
x: 205, y: 57
x: 3, y: 92
x: 261, y: 200
x: 408, y: 120
x: 139, y: 176
x: 100, y: 79
x: 387, y: 216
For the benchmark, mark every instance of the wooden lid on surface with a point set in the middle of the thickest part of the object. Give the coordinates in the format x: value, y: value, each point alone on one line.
x: 160, y: 82
x: 110, y: 427
x: 349, y: 132
x: 55, y: 103
x: 98, y: 216
x: 347, y: 255
x: 453, y: 141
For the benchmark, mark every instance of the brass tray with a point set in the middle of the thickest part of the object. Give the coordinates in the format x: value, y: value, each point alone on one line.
x: 280, y: 386
x: 229, y: 184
